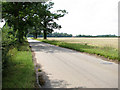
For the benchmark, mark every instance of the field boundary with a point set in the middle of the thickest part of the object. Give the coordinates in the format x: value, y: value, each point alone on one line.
x: 66, y: 45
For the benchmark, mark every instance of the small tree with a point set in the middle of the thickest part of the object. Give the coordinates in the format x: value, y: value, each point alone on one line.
x: 48, y: 21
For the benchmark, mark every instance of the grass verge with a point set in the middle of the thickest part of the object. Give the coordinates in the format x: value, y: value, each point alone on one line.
x: 19, y: 70
x: 107, y: 52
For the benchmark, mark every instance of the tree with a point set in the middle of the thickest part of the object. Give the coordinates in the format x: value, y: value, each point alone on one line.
x: 56, y: 34
x: 24, y: 16
x: 36, y: 26
x: 48, y: 21
x: 18, y: 15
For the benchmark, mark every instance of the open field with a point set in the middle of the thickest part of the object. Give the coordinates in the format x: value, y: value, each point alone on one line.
x: 107, y: 47
x: 100, y: 42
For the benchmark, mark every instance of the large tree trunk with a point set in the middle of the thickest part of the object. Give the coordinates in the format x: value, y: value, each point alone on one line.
x: 45, y: 34
x: 45, y: 31
x: 35, y: 35
x: 20, y: 36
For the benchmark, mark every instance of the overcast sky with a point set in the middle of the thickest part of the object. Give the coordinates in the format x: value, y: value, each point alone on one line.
x: 89, y: 17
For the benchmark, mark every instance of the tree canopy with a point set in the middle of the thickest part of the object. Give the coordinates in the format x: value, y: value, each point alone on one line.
x: 31, y: 17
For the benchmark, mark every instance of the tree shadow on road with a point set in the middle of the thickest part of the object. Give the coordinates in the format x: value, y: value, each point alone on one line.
x: 55, y: 83
x: 48, y: 48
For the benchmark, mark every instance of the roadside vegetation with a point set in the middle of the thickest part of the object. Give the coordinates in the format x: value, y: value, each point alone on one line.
x: 21, y: 19
x: 18, y: 68
x: 28, y: 18
x: 107, y: 52
x: 54, y: 34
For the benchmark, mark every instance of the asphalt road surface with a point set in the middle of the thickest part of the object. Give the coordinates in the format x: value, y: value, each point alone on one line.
x: 65, y: 68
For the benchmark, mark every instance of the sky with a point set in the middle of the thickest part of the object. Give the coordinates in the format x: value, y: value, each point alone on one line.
x: 88, y: 17
x: 2, y: 24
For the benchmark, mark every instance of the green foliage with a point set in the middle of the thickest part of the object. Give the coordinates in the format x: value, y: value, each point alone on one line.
x: 17, y: 65
x: 56, y: 34
x: 8, y: 41
x: 48, y: 22
x: 18, y: 15
x: 96, y: 35
x: 23, y: 47
x: 19, y: 71
x: 0, y: 38
x: 8, y: 37
x: 31, y: 17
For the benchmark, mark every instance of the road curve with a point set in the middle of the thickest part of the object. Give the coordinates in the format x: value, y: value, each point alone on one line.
x: 65, y: 68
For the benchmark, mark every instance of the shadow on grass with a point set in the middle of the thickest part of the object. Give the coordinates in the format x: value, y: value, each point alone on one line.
x: 19, y: 72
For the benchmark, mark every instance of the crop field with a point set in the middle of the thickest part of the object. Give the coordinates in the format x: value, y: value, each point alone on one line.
x: 107, y: 47
x: 100, y: 42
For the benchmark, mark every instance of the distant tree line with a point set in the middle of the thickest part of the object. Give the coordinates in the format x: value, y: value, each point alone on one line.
x: 55, y: 34
x: 109, y: 35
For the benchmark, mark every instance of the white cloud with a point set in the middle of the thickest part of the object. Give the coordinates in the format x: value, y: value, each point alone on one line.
x: 2, y: 24
x: 91, y: 17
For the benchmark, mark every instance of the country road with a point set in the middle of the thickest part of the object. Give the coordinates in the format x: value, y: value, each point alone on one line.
x: 65, y: 68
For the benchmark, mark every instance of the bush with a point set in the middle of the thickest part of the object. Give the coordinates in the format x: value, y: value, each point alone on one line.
x: 8, y: 42
x: 8, y: 36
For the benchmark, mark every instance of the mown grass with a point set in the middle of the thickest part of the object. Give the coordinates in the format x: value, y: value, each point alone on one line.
x: 19, y: 70
x: 107, y: 52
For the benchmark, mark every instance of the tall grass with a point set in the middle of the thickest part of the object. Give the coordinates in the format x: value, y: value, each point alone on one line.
x: 107, y: 52
x: 19, y: 71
